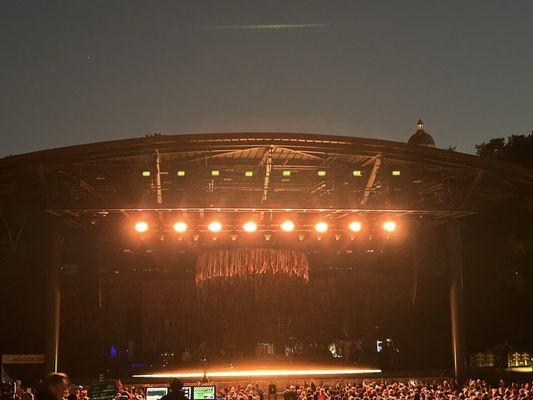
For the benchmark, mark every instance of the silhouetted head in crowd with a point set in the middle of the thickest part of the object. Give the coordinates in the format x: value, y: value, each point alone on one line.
x: 56, y: 384
x: 176, y: 385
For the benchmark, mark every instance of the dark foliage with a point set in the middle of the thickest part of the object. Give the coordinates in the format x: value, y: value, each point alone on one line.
x: 517, y: 149
x: 498, y: 257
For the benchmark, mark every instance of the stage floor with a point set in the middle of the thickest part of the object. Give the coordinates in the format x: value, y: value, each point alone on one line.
x: 261, y: 371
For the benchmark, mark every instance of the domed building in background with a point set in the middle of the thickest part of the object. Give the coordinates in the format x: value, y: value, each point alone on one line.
x: 421, y: 137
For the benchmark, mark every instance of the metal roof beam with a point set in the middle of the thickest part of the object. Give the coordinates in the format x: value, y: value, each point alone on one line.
x: 371, y: 180
x: 475, y: 184
x: 268, y: 170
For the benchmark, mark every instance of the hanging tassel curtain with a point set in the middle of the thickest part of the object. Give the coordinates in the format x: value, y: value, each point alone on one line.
x: 278, y: 264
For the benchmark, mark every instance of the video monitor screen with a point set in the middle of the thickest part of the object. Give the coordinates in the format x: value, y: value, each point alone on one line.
x: 204, y: 393
x: 155, y: 393
x: 187, y: 391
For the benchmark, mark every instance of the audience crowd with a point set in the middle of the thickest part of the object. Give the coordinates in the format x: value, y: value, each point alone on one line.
x: 414, y: 390
x: 57, y: 387
x: 369, y: 390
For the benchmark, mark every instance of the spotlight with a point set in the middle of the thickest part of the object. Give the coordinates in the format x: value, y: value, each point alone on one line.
x: 287, y: 226
x: 141, y: 226
x: 355, y: 226
x: 389, y: 226
x: 180, y: 227
x: 250, y: 226
x: 321, y: 227
x: 215, y: 226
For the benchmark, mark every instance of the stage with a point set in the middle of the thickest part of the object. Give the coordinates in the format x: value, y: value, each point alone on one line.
x: 283, y: 375
x: 263, y: 373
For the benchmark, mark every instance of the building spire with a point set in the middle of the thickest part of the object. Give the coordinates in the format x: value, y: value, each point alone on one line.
x: 421, y: 137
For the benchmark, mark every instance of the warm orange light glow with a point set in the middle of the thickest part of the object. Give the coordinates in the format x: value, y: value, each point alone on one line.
x: 249, y: 227
x: 389, y: 226
x: 215, y: 226
x: 321, y: 227
x: 180, y: 227
x: 355, y: 226
x: 262, y: 372
x: 141, y: 226
x: 287, y: 226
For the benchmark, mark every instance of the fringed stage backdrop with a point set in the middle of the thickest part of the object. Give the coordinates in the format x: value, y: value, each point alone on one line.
x: 248, y: 264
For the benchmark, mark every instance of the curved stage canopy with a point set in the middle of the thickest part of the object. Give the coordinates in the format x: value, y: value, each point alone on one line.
x: 261, y: 172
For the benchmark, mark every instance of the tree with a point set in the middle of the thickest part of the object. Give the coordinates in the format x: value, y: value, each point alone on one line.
x: 517, y: 149
x: 498, y: 255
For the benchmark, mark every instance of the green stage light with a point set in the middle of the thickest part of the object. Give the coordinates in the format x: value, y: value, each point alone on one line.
x: 286, y: 173
x: 249, y: 173
x: 215, y: 172
x: 357, y: 173
x: 321, y: 173
x: 181, y: 173
x: 146, y: 173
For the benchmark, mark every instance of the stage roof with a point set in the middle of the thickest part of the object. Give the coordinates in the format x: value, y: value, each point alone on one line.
x: 257, y: 172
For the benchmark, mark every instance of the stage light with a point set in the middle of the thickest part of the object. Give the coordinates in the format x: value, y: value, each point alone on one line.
x: 355, y: 226
x: 215, y: 226
x: 215, y: 172
x: 249, y: 173
x: 146, y: 173
x: 357, y: 173
x: 321, y: 227
x: 396, y: 173
x: 237, y: 373
x: 389, y: 226
x: 287, y: 173
x: 287, y: 226
x: 321, y: 173
x: 181, y: 173
x: 141, y: 226
x: 250, y: 226
x: 180, y: 227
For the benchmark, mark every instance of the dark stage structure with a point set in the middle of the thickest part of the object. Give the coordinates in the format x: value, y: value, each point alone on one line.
x: 352, y: 186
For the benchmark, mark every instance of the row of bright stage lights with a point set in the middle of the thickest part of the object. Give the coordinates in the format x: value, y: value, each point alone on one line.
x: 251, y: 226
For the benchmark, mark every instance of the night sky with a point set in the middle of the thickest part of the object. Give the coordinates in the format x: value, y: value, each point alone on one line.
x: 76, y: 72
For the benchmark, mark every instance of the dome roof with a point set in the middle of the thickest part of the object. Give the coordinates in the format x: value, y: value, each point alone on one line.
x: 421, y: 137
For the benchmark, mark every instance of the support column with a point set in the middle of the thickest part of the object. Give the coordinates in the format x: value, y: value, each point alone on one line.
x: 455, y: 267
x: 52, y: 251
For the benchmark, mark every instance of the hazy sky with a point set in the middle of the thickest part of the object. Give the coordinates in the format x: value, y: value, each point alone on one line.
x: 77, y: 71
